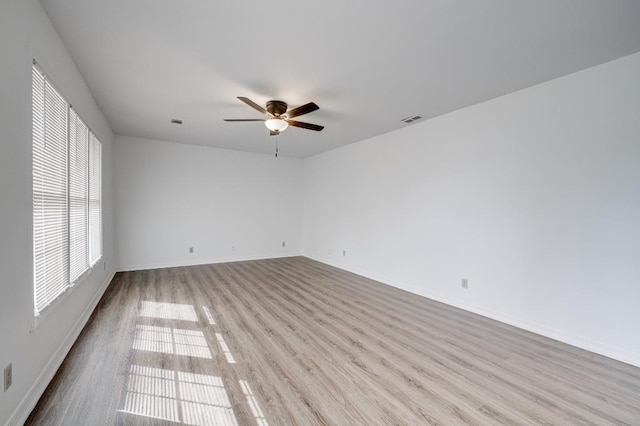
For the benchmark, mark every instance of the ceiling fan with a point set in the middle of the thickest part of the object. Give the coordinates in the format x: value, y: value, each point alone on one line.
x: 278, y: 118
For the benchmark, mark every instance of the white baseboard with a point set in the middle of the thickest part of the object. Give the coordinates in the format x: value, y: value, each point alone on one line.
x: 204, y: 262
x: 28, y: 403
x: 559, y: 335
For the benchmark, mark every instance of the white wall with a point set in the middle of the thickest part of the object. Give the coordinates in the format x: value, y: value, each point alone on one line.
x: 25, y: 32
x: 228, y: 205
x: 534, y: 197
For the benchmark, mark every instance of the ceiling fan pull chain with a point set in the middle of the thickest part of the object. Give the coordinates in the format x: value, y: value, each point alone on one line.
x: 276, y: 146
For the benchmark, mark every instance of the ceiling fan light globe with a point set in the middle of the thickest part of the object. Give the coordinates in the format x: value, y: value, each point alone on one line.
x: 276, y: 124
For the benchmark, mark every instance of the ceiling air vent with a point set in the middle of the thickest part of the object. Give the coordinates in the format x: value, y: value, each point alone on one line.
x: 176, y: 121
x: 411, y: 119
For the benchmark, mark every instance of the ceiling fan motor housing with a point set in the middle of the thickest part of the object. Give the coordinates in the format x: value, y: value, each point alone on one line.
x: 276, y: 107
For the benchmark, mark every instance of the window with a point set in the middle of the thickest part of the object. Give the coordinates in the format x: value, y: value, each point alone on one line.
x: 67, y: 202
x: 95, y: 199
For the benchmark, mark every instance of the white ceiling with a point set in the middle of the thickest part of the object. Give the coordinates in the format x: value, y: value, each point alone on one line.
x: 367, y: 64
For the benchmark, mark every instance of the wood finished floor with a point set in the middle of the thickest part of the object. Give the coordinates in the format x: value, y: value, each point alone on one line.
x: 295, y: 342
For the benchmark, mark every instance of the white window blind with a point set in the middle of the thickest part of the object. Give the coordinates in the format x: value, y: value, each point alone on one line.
x: 50, y: 212
x: 78, y: 194
x: 67, y: 202
x: 95, y: 199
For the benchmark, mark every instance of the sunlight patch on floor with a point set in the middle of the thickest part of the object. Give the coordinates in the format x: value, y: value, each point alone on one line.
x: 207, y: 313
x: 253, y: 403
x: 169, y: 340
x: 225, y: 349
x: 188, y: 398
x: 171, y: 311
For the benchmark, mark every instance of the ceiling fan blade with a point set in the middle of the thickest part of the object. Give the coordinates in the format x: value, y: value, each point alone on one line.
x: 308, y: 126
x: 252, y: 104
x: 301, y: 110
x: 243, y: 119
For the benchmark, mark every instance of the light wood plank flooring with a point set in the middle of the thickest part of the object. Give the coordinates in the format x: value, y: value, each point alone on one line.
x: 296, y: 342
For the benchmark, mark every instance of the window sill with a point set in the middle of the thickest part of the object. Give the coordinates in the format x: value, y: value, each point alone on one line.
x: 37, y: 319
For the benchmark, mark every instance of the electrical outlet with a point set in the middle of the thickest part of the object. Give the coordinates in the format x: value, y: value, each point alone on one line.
x: 284, y: 244
x: 465, y: 283
x: 8, y: 377
x: 190, y: 249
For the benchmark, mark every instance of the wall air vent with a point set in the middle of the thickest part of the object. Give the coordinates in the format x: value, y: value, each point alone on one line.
x: 411, y: 119
x: 176, y: 121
